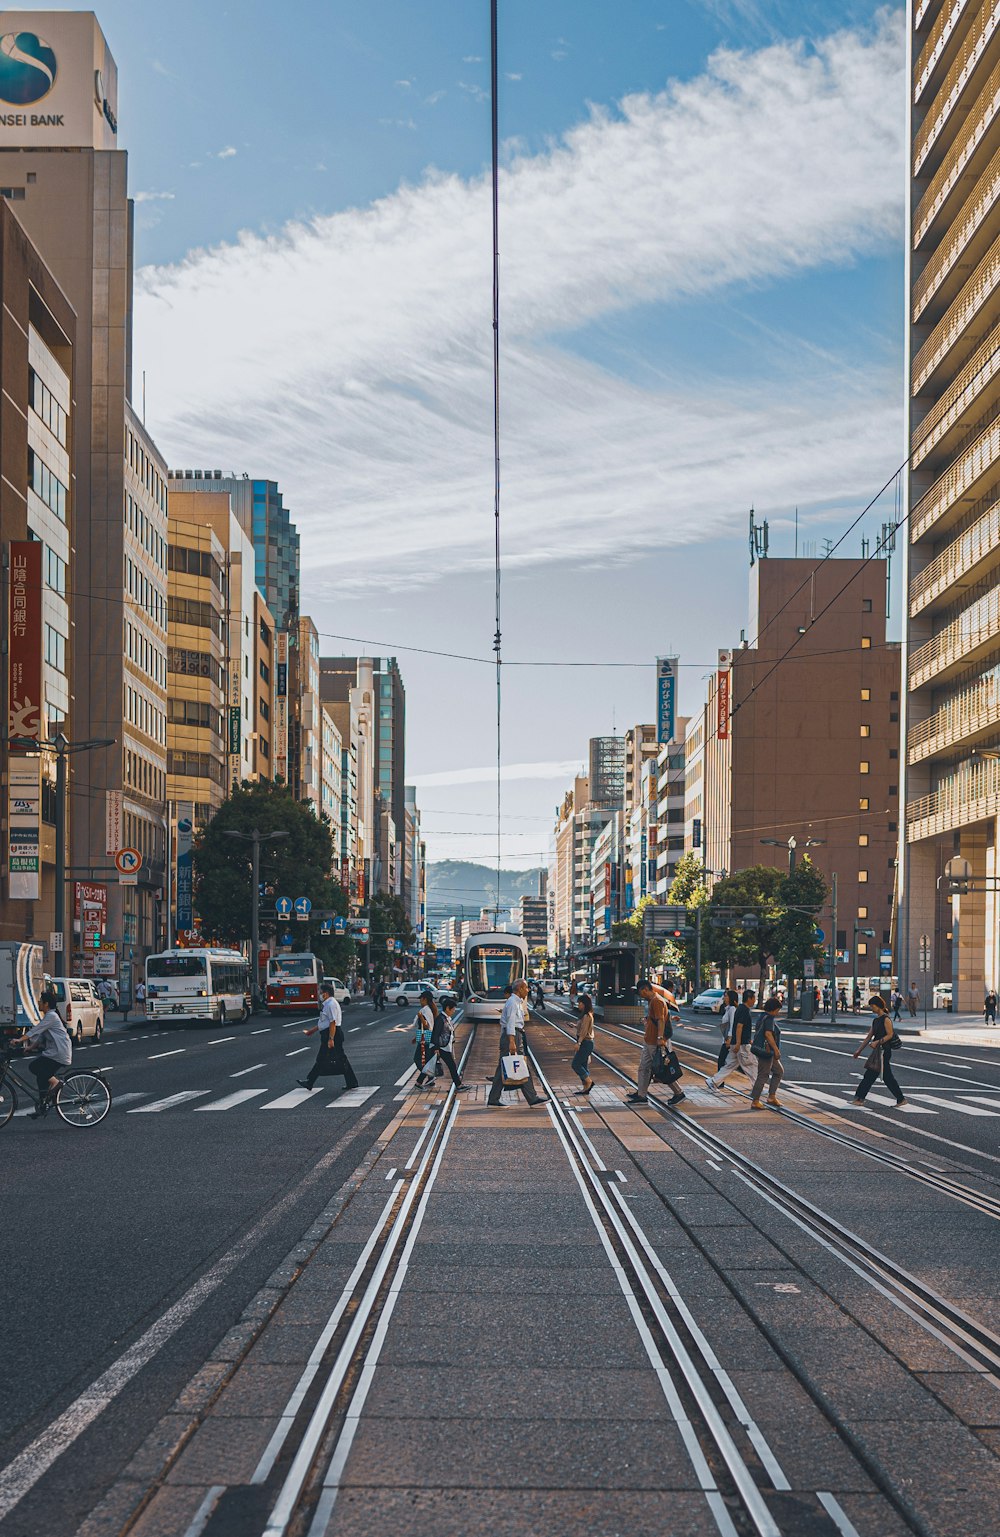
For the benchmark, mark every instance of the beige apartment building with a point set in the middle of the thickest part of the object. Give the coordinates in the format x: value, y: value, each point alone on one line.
x: 197, y: 722
x: 951, y: 775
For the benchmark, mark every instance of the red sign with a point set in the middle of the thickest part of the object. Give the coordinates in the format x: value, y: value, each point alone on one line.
x: 607, y: 885
x: 87, y: 894
x: 24, y: 664
x: 722, y: 701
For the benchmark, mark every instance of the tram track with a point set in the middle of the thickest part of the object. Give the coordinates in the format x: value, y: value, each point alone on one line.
x: 738, y: 1470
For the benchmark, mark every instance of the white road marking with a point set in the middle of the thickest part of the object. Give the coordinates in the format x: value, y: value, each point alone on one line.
x: 883, y: 1099
x: 204, y: 1511
x: 221, y: 1041
x: 352, y: 1098
x: 298, y: 1051
x: 980, y: 1099
x: 354, y: 1030
x: 244, y: 1070
x: 239, y: 1097
x: 175, y: 1053
x: 838, y: 1515
x: 120, y: 1099
x: 169, y: 1102
x: 801, y: 1059
x: 266, y: 1031
x: 290, y: 1100
x: 406, y: 1077
x: 952, y: 1104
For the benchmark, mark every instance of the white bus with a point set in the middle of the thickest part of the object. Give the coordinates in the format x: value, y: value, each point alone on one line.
x: 492, y: 963
x: 198, y: 984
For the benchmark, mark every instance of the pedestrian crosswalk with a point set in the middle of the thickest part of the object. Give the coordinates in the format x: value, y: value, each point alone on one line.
x: 250, y: 1098
x: 917, y: 1102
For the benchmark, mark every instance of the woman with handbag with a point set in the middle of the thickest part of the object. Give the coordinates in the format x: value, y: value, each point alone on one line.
x: 767, y: 1049
x: 584, y: 1043
x: 443, y: 1039
x: 729, y: 1001
x: 883, y: 1039
x: 425, y: 1055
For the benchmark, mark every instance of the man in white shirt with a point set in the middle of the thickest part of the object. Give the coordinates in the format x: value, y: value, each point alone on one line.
x: 331, y: 1060
x: 512, y: 1020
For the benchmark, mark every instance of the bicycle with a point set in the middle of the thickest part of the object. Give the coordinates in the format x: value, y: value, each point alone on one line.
x: 82, y: 1098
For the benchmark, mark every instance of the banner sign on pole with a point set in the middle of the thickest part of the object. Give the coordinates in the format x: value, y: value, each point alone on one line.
x: 722, y: 695
x: 185, y: 865
x: 24, y: 719
x: 666, y: 698
x: 114, y: 835
x: 24, y: 819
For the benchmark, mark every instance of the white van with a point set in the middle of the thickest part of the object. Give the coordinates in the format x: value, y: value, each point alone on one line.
x: 79, y: 1006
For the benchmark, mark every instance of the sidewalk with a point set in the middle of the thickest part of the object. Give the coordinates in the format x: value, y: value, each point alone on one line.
x: 958, y: 1029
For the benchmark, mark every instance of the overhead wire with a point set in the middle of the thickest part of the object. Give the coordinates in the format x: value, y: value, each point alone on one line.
x: 495, y: 190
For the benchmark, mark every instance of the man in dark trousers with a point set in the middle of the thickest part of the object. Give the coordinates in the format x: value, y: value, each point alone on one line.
x: 331, y: 1061
x: 511, y: 1025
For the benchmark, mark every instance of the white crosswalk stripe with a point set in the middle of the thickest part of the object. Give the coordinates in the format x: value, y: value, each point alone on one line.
x: 240, y: 1097
x: 289, y: 1101
x: 953, y: 1104
x: 168, y: 1103
x: 980, y: 1099
x: 353, y: 1097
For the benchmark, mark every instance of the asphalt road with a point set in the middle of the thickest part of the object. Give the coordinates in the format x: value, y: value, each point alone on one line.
x: 208, y: 1154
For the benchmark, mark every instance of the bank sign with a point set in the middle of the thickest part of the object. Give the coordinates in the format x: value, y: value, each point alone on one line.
x: 58, y: 82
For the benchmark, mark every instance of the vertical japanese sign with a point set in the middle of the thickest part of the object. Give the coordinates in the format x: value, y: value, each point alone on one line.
x: 185, y: 866
x: 24, y: 719
x: 281, y: 705
x: 666, y: 698
x: 722, y: 695
x: 114, y: 837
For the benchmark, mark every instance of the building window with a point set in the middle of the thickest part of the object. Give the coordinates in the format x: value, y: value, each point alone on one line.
x: 46, y: 406
x: 55, y: 649
x: 862, y: 912
x: 55, y: 572
x: 46, y: 485
x: 866, y: 643
x: 893, y: 717
x: 862, y: 840
x: 866, y: 695
x: 866, y: 605
x: 863, y: 803
x: 862, y: 947
x: 864, y: 767
x: 893, y: 752
x: 893, y: 827
x: 862, y: 877
x: 866, y: 730
x: 894, y: 696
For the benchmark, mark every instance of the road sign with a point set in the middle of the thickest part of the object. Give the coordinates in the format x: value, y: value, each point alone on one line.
x: 128, y: 863
x: 925, y: 952
x: 340, y: 925
x: 358, y: 927
x: 666, y: 921
x: 808, y: 969
x: 55, y: 941
x: 326, y: 927
x: 819, y: 934
x: 303, y: 907
x: 283, y: 906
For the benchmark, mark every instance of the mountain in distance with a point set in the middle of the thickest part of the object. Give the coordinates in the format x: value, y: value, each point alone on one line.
x: 457, y: 888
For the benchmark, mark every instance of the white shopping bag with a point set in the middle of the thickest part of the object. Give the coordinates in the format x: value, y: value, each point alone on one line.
x: 515, y: 1071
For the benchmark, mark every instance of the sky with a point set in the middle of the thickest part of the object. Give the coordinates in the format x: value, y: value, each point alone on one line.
x: 701, y: 310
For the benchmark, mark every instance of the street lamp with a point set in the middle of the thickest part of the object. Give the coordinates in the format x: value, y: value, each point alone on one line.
x: 792, y: 844
x: 61, y: 746
x: 869, y: 934
x: 255, y: 839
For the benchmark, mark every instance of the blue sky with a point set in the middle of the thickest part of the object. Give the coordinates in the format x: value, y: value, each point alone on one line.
x: 702, y: 290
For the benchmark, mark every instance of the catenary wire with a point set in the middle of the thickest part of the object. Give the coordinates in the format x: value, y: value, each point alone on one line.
x: 495, y: 189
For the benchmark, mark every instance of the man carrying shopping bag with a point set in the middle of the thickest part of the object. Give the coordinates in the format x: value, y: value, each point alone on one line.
x: 513, y: 1064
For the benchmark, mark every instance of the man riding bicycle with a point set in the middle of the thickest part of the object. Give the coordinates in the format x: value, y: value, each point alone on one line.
x: 51, y: 1039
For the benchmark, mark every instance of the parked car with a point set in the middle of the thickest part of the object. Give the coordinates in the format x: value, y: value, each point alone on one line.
x: 942, y: 995
x: 79, y: 1006
x: 708, y: 1002
x: 342, y: 993
x: 402, y: 993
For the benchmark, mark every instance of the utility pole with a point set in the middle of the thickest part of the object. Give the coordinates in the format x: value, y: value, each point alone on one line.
x: 255, y: 839
x: 833, y: 955
x: 697, y: 951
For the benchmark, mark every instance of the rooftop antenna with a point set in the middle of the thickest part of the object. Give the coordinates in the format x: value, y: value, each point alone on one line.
x: 886, y: 547
x: 758, y: 538
x: 865, y: 543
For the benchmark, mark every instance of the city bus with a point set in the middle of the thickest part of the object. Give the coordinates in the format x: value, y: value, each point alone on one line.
x: 292, y: 982
x: 492, y: 962
x: 198, y: 984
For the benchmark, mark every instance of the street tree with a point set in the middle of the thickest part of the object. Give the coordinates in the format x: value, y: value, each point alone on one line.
x: 804, y: 892
x: 687, y: 889
x: 297, y: 866
x: 750, y: 933
x: 389, y: 922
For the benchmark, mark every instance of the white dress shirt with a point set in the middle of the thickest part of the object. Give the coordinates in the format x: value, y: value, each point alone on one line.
x: 512, y: 1017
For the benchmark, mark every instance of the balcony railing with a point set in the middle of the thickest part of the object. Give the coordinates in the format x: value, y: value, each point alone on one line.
x: 971, y: 216
x: 920, y: 11
x: 936, y: 43
x: 983, y: 366
x: 970, y: 298
x: 977, y: 461
x: 971, y: 709
x: 955, y: 81
x: 971, y: 795
x: 953, y: 166
x: 976, y: 626
x: 979, y: 536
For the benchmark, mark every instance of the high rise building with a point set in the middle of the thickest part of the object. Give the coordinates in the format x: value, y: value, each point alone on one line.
x: 671, y: 790
x: 951, y: 776
x: 260, y: 508
x: 306, y: 729
x: 532, y: 921
x: 415, y: 868
x: 37, y: 508
x: 331, y: 778
x: 197, y: 731
x: 381, y: 701
x: 65, y: 177
x: 607, y: 772
x: 807, y: 759
x: 578, y: 825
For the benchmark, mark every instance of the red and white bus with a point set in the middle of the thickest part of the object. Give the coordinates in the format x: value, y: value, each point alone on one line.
x: 292, y: 982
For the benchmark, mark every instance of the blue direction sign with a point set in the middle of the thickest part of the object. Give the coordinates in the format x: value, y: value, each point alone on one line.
x: 303, y: 907
x: 283, y: 907
x: 340, y: 925
x: 285, y: 939
x: 820, y: 935
x: 326, y: 927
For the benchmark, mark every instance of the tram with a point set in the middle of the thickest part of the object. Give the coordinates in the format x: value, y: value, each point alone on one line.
x: 493, y: 962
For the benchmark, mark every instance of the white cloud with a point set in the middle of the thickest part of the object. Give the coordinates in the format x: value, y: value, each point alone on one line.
x: 350, y: 356
x: 152, y: 197
x: 472, y: 58
x: 480, y: 776
x: 227, y: 153
x: 512, y: 76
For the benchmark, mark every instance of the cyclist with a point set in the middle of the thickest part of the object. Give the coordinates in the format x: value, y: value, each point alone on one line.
x: 56, y: 1051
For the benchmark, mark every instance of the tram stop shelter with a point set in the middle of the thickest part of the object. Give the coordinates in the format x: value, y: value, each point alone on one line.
x: 617, y: 965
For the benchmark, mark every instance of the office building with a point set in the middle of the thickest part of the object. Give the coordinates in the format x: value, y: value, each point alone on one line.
x: 197, y: 773
x: 305, y: 770
x: 579, y: 824
x: 65, y: 177
x: 37, y: 517
x: 807, y: 758
x: 607, y: 772
x: 532, y: 921
x: 951, y: 776
x: 260, y: 508
x: 331, y: 779
x: 415, y: 868
x: 671, y: 791
x: 377, y: 687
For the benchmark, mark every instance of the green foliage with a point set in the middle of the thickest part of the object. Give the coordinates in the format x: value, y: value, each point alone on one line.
x: 785, y: 908
x: 297, y: 866
x: 687, y: 889
x: 389, y: 921
x: 804, y: 894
